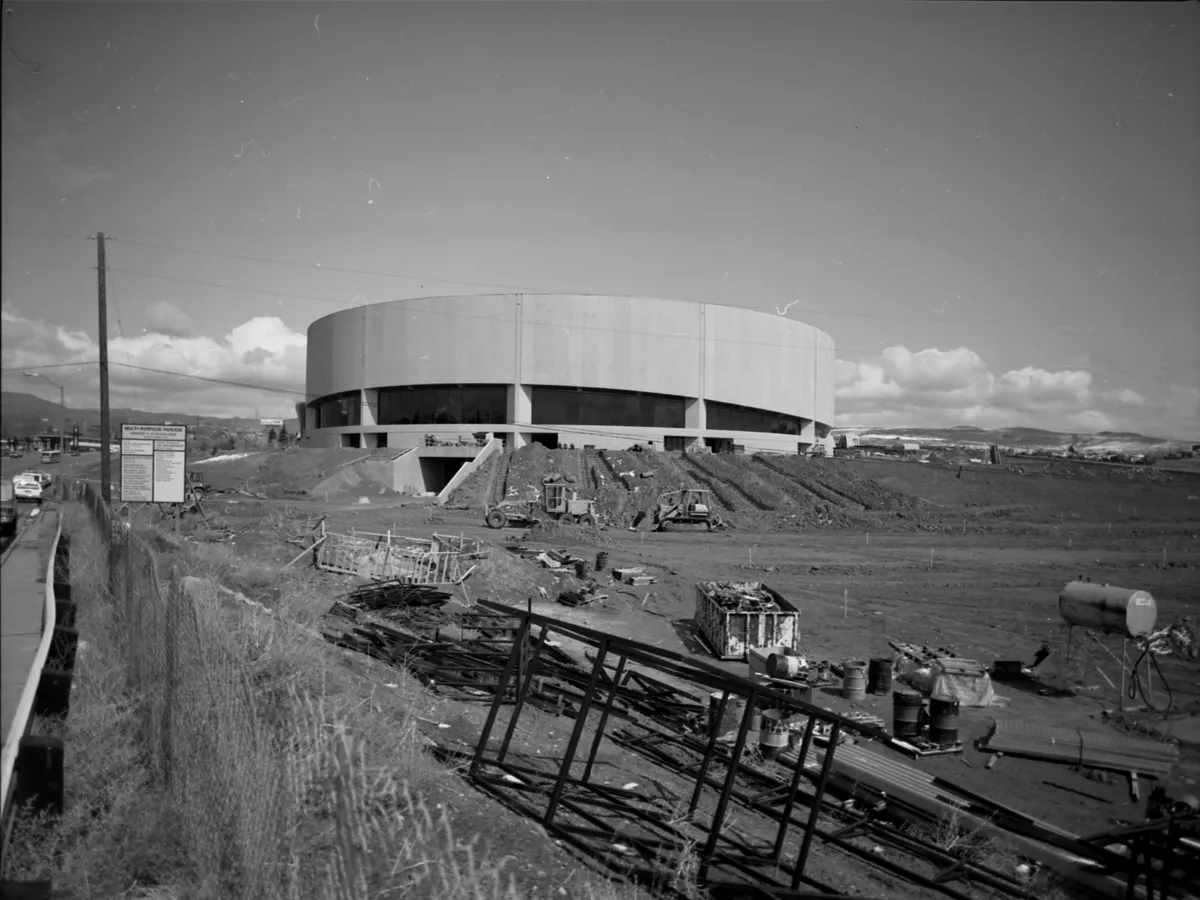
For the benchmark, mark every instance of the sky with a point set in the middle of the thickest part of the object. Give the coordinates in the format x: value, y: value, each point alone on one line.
x: 993, y: 209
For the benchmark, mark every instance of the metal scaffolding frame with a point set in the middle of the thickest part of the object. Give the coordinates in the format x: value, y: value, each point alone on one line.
x: 666, y: 726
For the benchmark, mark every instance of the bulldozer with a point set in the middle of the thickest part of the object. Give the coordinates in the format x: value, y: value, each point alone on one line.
x: 553, y: 503
x: 691, y: 506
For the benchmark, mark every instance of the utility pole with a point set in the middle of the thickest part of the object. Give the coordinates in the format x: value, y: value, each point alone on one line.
x: 105, y: 436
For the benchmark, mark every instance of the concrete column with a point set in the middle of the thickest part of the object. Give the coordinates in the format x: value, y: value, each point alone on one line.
x: 695, y: 414
x: 520, y: 412
x: 370, y: 407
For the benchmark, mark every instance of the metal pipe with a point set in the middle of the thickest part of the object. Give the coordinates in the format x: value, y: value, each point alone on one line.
x: 698, y: 791
x: 501, y: 687
x: 608, y: 705
x: 826, y: 764
x: 522, y: 692
x: 576, y: 733
x: 739, y: 745
x: 786, y: 818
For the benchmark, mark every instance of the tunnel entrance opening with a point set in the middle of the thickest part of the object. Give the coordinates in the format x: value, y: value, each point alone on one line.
x: 436, y: 471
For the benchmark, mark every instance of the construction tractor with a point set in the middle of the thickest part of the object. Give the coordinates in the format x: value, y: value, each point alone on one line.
x: 691, y: 506
x: 196, y: 484
x: 553, y: 503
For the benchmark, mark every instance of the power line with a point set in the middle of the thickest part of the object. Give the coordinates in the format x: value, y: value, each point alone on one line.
x: 838, y: 348
x: 542, y: 290
x: 1092, y: 329
x: 501, y: 320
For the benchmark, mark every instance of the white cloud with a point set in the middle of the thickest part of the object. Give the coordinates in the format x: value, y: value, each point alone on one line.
x: 935, y: 388
x: 263, y: 353
x: 167, y: 318
x: 1125, y: 396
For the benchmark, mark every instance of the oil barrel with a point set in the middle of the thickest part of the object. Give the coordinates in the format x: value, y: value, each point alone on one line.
x: 854, y: 679
x: 581, y: 568
x: 783, y: 665
x: 601, y: 561
x: 943, y: 720
x: 906, y: 714
x: 879, y: 675
x: 773, y: 737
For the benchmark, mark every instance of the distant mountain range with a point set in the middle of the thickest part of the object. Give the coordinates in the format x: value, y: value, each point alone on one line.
x: 23, y: 414
x: 1024, y: 438
x: 26, y: 414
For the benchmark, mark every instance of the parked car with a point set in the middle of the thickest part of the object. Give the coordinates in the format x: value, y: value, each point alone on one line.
x: 28, y: 488
x: 45, y: 479
x: 8, y: 508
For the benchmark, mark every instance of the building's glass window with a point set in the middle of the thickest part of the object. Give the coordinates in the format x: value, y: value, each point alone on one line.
x: 575, y: 406
x: 339, y: 411
x: 727, y: 417
x: 443, y: 404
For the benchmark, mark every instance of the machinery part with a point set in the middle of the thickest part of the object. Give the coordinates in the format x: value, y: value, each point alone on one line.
x: 587, y: 519
x: 496, y: 519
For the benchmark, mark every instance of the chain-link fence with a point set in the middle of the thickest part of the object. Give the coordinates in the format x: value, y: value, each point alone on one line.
x: 204, y: 733
x: 268, y: 784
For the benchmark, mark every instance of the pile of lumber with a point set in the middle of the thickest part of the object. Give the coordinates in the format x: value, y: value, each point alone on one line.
x: 1083, y: 748
x: 383, y: 595
x: 746, y: 596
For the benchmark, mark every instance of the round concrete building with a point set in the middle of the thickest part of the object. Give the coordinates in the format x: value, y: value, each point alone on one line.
x: 567, y: 369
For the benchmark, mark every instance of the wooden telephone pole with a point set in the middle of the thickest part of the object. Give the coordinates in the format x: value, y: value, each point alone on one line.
x: 105, y: 425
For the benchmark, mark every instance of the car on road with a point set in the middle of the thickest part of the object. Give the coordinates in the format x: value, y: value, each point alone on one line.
x: 8, y: 508
x: 45, y: 479
x: 27, y: 488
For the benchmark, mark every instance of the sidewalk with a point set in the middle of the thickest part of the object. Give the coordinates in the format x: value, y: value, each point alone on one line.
x: 22, y: 602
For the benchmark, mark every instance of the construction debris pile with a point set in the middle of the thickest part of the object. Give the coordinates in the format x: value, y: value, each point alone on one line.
x: 384, y: 596
x: 439, y: 560
x: 747, y: 596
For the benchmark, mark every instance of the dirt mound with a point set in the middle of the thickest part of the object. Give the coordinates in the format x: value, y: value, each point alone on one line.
x: 504, y: 577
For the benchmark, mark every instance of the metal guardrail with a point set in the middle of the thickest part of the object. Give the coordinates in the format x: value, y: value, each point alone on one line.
x: 19, y: 728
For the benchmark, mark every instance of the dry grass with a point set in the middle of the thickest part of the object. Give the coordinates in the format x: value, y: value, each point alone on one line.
x: 219, y: 750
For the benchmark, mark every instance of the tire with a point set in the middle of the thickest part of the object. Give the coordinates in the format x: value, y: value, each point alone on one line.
x: 495, y: 519
x: 587, y: 519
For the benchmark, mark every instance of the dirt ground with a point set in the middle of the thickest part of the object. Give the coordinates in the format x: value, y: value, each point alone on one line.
x: 970, y: 559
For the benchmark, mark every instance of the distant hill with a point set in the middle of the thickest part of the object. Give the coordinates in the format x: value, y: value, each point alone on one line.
x: 1024, y: 438
x: 23, y: 414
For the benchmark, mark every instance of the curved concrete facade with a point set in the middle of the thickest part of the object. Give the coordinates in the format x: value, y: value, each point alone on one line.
x: 708, y: 355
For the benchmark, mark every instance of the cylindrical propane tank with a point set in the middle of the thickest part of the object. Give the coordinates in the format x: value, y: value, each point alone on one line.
x: 1107, y: 608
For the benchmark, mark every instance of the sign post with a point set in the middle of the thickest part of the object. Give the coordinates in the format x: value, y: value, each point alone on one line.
x: 153, y: 464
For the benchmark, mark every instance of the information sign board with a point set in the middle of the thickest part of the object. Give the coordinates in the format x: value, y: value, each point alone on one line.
x: 153, y: 463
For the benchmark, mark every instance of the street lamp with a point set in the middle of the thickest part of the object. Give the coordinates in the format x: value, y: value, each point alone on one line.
x: 62, y: 430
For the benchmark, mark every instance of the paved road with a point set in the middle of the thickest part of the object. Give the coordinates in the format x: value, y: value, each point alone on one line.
x: 22, y: 600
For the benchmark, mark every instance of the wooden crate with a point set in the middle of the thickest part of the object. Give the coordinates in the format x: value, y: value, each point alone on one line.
x: 732, y: 634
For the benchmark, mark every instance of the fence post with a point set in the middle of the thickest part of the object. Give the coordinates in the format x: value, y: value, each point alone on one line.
x: 174, y: 591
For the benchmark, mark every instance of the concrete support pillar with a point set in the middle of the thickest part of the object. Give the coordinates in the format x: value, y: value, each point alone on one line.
x: 695, y: 414
x: 520, y: 412
x: 369, y: 399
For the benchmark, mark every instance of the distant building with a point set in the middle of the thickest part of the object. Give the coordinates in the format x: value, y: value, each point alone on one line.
x: 558, y: 369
